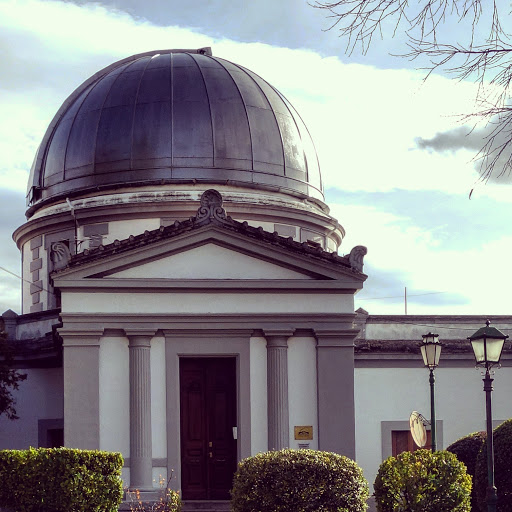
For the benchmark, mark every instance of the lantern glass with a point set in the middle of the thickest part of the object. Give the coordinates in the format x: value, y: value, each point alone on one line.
x: 487, y: 350
x: 431, y: 350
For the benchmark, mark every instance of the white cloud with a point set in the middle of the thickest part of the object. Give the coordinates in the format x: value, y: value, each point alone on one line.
x: 399, y: 248
x: 363, y: 120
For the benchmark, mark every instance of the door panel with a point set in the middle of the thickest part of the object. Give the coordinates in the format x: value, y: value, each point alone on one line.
x: 208, y: 415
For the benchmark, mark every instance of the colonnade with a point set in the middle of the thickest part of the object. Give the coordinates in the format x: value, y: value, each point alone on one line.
x: 335, y: 390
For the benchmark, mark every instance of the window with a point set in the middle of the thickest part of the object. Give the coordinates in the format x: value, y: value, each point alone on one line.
x: 402, y: 441
x: 55, y: 437
x: 51, y: 433
x: 395, y: 437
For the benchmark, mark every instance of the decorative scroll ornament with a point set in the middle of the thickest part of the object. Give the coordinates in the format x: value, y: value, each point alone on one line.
x: 356, y: 256
x: 60, y: 255
x: 211, y: 207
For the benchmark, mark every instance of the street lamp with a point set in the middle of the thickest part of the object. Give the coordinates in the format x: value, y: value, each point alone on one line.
x: 487, y: 345
x: 431, y: 351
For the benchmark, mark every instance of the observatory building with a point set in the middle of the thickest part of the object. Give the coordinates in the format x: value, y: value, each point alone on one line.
x: 179, y: 248
x: 185, y: 297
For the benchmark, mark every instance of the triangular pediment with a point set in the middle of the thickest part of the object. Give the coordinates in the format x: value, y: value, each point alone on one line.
x: 209, y: 261
x: 207, y: 253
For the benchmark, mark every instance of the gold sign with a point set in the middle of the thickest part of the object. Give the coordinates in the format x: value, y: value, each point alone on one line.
x: 303, y: 432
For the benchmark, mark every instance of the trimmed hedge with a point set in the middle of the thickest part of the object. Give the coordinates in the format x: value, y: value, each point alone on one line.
x: 299, y: 481
x: 60, y: 480
x: 502, y: 439
x: 466, y: 449
x: 423, y: 481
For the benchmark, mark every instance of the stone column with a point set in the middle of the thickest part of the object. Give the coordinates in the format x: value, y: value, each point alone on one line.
x: 141, y: 456
x: 81, y: 359
x: 335, y: 374
x: 277, y: 390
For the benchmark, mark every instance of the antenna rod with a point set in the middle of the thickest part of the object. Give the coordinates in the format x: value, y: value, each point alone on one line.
x: 405, y: 299
x: 72, y: 208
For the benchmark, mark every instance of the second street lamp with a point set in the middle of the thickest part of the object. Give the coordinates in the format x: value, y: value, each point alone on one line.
x: 487, y: 345
x: 431, y: 351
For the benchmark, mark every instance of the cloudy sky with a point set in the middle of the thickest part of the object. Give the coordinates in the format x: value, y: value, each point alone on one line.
x: 397, y: 164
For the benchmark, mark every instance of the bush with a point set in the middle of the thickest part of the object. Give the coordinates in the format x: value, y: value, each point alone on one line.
x: 423, y: 481
x: 466, y: 449
x: 60, y: 480
x: 502, y: 439
x: 299, y: 481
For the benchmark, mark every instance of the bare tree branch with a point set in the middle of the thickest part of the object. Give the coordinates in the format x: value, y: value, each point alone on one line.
x: 485, y: 57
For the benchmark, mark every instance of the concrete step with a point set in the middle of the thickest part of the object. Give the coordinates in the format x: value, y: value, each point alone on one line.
x: 150, y: 502
x: 206, y: 506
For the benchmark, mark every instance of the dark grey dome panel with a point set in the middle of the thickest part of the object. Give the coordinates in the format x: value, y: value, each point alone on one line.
x: 165, y: 117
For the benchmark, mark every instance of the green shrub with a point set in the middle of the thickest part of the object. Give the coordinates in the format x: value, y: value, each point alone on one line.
x: 423, y: 481
x: 466, y: 449
x: 502, y: 439
x: 173, y: 501
x: 60, y: 480
x: 299, y: 481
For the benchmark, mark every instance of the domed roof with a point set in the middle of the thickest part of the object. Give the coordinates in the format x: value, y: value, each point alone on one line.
x: 174, y: 116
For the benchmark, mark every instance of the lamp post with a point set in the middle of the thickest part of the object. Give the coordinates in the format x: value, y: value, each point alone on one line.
x: 431, y: 351
x: 487, y: 345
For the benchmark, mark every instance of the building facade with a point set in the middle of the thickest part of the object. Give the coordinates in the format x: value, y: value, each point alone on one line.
x: 180, y: 252
x: 184, y: 302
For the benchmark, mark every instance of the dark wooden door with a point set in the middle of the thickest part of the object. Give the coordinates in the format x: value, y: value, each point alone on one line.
x: 208, y: 415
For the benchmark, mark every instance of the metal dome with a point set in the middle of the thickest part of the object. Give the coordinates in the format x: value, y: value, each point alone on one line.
x: 174, y: 116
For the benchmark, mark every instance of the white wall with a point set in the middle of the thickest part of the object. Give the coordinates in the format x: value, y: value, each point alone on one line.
x: 120, y: 230
x: 204, y: 303
x: 209, y: 261
x: 391, y: 394
x: 158, y: 402
x: 27, y: 277
x: 302, y: 387
x: 40, y: 396
x: 404, y: 328
x: 114, y: 390
x: 258, y: 398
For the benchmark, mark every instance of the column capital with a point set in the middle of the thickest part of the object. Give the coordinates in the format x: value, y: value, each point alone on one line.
x: 80, y: 338
x: 139, y: 340
x: 336, y: 337
x: 140, y: 332
x: 276, y: 334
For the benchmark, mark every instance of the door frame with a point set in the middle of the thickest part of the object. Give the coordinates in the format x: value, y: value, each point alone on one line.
x: 227, y: 344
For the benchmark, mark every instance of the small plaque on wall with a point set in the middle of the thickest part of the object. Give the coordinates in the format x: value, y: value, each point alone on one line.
x: 303, y: 432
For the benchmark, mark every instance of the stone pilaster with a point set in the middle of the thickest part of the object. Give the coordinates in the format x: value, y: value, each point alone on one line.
x: 277, y: 390
x: 141, y: 472
x: 81, y: 351
x: 335, y: 374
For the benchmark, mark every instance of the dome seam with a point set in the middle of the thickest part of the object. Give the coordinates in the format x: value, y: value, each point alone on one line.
x: 243, y: 103
x: 69, y: 134
x: 209, y: 106
x: 135, y: 110
x: 95, y: 143
x: 171, y: 109
x: 286, y: 103
x: 290, y: 106
x: 281, y: 138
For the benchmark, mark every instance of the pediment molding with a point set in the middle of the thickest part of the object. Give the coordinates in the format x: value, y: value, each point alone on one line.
x: 305, y: 266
